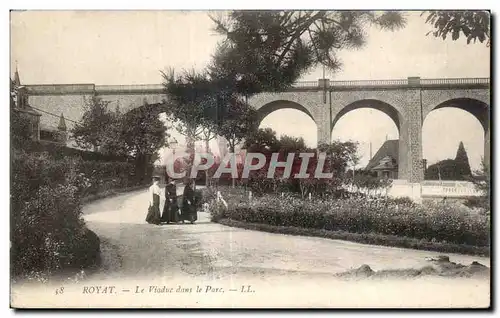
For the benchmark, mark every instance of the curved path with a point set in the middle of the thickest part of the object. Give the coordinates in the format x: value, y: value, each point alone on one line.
x: 283, y: 270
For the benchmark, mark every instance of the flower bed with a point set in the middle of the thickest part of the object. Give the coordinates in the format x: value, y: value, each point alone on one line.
x: 435, y: 223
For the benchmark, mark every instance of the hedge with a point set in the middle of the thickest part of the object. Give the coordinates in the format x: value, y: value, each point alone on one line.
x: 433, y: 222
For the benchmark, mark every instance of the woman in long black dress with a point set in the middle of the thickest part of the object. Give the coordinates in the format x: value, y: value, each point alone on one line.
x: 188, y: 203
x: 171, y: 208
x: 153, y: 216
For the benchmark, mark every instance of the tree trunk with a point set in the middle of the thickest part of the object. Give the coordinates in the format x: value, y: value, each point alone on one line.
x: 207, y: 148
x: 190, y: 145
x: 231, y: 147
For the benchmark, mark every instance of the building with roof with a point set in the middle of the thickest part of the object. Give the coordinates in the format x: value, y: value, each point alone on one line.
x: 385, y: 161
x: 39, y: 132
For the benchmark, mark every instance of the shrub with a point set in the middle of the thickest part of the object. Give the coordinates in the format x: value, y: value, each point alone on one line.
x: 48, y: 232
x: 451, y: 223
x: 481, y: 203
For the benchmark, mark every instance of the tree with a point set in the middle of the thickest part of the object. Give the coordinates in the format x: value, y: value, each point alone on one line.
x: 270, y: 50
x: 94, y: 127
x: 473, y: 25
x: 290, y: 144
x: 239, y: 121
x: 190, y: 100
x: 20, y: 129
x: 194, y: 106
x: 482, y: 182
x: 261, y: 140
x: 112, y: 142
x: 340, y: 155
x: 143, y: 134
x: 463, y: 170
x: 442, y: 170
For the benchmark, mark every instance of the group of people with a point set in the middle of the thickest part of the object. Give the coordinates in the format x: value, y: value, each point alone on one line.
x: 171, y: 213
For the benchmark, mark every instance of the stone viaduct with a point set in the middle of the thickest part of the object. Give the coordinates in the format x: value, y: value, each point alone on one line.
x: 406, y: 101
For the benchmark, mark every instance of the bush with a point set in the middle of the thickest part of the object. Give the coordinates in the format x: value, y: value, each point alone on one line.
x: 432, y: 222
x: 48, y: 233
x: 95, y: 176
x: 482, y: 203
x: 47, y: 230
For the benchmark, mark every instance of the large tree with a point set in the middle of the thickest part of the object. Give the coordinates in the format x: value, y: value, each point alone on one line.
x: 94, y: 128
x: 473, y: 25
x: 262, y: 140
x: 270, y: 50
x: 340, y: 155
x: 190, y: 102
x: 289, y: 144
x: 463, y: 170
x: 143, y: 134
x: 239, y: 121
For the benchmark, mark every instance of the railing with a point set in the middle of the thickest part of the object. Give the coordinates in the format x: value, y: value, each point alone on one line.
x: 397, y: 82
x: 449, y: 189
x: 60, y: 89
x: 369, y: 83
x: 138, y: 87
x: 455, y: 81
x: 425, y: 189
x: 306, y: 84
x: 320, y: 84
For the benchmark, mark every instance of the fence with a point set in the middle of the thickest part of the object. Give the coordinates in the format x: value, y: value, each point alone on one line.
x: 426, y: 189
x: 449, y: 189
x: 437, y: 82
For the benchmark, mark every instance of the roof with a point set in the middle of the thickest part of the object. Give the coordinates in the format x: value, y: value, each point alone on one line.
x: 389, y: 148
x: 62, y: 123
x: 388, y: 163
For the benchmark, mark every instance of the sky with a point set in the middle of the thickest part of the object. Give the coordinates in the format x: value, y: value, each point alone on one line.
x: 127, y: 47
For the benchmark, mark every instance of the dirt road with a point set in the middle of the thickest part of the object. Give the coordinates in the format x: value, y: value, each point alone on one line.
x: 211, y: 265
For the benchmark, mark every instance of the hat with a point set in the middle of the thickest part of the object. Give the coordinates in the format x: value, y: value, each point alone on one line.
x: 155, y: 176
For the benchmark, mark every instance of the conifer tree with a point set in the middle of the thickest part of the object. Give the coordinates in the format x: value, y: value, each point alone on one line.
x: 462, y: 163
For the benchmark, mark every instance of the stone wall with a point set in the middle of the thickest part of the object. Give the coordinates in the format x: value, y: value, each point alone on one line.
x: 71, y: 105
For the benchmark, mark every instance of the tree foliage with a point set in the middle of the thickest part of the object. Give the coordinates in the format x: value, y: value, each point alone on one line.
x: 270, y: 50
x: 239, y: 121
x: 96, y: 124
x: 473, y: 25
x: 20, y: 129
x: 193, y: 104
x: 451, y: 169
x: 341, y: 155
x: 261, y: 140
x: 290, y: 144
x: 462, y: 163
x: 442, y: 170
x: 142, y: 132
x: 139, y: 133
